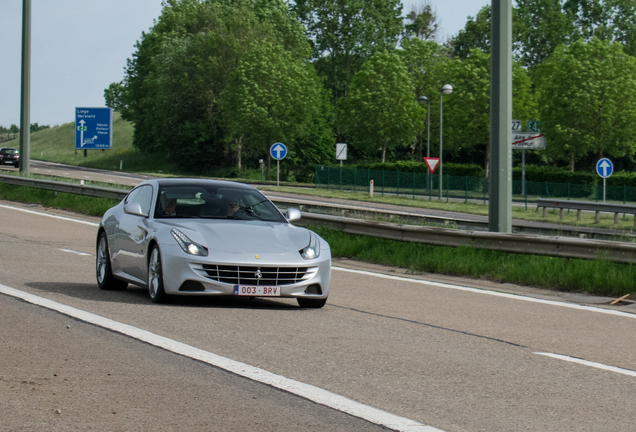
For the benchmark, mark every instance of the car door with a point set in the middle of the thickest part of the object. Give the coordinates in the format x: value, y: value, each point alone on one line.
x: 132, y: 236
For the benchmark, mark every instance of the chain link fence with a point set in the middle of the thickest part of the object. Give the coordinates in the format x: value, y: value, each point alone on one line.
x: 454, y: 187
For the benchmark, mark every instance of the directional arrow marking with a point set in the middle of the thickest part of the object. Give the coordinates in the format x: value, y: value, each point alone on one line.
x: 604, y: 166
x: 82, y: 132
x: 278, y: 150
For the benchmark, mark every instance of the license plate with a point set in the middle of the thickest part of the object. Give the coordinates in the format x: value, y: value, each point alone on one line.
x: 256, y: 291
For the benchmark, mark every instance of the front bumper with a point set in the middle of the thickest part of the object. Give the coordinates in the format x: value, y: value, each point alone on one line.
x: 185, y: 274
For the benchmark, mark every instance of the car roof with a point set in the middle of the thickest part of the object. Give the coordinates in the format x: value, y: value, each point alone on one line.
x: 191, y: 181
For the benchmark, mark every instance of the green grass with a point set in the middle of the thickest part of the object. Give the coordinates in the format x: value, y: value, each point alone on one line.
x: 77, y: 203
x: 598, y: 277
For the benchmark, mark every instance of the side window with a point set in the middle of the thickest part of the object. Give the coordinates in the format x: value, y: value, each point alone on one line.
x: 143, y: 196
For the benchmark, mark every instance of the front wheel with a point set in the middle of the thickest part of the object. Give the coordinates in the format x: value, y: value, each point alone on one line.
x: 311, y: 303
x: 155, y: 277
x: 105, y: 278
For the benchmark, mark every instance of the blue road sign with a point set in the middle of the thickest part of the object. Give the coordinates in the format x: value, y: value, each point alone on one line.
x: 278, y: 151
x: 93, y: 128
x: 604, y: 167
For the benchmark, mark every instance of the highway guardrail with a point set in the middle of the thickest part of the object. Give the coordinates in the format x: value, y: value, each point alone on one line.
x: 579, y: 206
x: 59, y: 186
x: 516, y: 242
x: 570, y: 247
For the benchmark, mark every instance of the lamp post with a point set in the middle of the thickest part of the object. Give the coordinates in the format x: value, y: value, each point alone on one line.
x: 447, y: 89
x: 428, y: 137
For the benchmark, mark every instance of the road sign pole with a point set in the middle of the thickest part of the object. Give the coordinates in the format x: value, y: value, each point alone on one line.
x: 523, y: 172
x: 604, y: 187
x: 500, y: 197
x: 441, y: 94
x: 25, y: 109
x: 277, y: 172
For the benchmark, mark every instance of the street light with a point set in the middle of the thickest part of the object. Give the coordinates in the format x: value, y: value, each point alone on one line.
x: 428, y: 136
x: 447, y: 89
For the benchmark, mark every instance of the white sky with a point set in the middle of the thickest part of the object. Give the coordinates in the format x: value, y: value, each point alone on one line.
x: 79, y: 47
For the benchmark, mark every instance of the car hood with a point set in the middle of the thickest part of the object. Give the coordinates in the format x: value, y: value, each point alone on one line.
x: 232, y: 236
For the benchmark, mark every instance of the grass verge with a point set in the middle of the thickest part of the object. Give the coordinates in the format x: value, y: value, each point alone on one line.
x: 599, y: 277
x: 77, y: 203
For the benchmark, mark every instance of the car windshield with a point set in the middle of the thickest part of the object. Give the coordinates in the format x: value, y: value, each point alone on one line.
x: 9, y: 151
x: 193, y: 200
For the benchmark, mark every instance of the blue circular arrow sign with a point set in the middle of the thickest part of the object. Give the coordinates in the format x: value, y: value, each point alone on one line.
x: 604, y: 167
x: 278, y: 151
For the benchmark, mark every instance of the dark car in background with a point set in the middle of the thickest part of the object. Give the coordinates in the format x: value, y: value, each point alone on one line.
x: 9, y: 156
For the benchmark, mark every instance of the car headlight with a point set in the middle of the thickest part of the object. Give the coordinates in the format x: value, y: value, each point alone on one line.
x: 312, y: 250
x: 188, y: 245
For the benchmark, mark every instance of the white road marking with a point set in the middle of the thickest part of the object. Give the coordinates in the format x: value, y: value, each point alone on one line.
x: 75, y: 252
x: 307, y: 391
x: 50, y: 215
x: 492, y: 293
x: 589, y: 363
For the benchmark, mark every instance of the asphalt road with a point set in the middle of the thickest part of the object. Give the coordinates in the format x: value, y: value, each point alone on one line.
x: 451, y: 353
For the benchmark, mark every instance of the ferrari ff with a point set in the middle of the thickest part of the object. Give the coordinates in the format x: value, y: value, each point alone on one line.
x: 210, y: 238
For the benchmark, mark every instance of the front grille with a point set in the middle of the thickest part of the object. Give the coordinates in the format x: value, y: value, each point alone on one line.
x: 243, y: 275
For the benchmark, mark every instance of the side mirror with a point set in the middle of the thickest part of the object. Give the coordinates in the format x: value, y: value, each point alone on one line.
x: 292, y: 214
x: 134, y: 208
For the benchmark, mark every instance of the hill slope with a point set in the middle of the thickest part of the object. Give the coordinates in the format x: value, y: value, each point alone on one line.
x: 57, y: 144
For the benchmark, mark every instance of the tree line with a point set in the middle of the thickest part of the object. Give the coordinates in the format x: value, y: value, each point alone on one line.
x: 15, y: 129
x: 214, y: 83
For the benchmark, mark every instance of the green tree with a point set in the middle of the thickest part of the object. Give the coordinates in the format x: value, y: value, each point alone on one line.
x: 344, y: 33
x: 380, y: 111
x: 114, y: 96
x: 611, y: 20
x: 543, y: 25
x: 475, y: 34
x: 467, y: 110
x: 423, y: 22
x: 588, y: 100
x: 181, y: 66
x: 423, y: 60
x: 270, y: 97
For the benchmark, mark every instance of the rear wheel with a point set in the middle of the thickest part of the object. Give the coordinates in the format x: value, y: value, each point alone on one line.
x: 155, y: 277
x: 311, y: 303
x: 105, y: 278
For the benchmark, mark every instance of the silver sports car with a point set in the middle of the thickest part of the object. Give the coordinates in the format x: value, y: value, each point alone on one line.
x: 206, y: 237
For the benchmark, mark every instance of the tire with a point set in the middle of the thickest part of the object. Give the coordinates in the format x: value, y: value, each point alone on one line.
x: 103, y: 269
x: 311, y: 303
x: 155, y: 277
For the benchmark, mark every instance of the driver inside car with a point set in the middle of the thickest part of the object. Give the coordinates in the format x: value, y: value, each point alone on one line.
x: 168, y: 206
